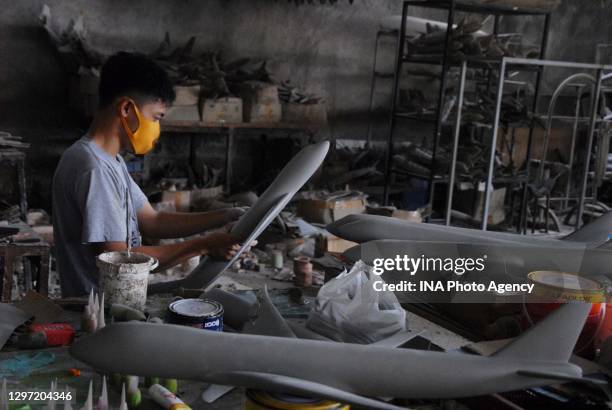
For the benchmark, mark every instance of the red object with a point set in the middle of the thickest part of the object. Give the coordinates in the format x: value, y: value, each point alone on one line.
x: 57, y: 334
x: 585, y: 346
x: 606, y: 328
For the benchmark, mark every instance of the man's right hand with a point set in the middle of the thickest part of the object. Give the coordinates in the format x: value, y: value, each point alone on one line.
x: 221, y: 245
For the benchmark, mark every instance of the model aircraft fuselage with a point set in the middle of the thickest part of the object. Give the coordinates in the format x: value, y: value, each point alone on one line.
x: 253, y: 361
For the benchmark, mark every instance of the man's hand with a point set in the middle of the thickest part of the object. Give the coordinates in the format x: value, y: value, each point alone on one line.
x: 221, y: 245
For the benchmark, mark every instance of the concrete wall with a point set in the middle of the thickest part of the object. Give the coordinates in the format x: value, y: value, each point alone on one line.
x: 327, y: 49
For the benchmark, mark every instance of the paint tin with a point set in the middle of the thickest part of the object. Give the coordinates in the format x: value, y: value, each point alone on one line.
x: 201, y: 313
x: 553, y: 289
x: 259, y: 400
x: 276, y: 256
x: 302, y: 268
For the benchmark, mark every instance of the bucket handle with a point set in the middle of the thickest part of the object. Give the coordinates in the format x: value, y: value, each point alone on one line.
x: 155, y: 263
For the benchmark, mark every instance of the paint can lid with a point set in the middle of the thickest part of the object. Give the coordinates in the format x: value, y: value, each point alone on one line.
x: 567, y: 286
x: 196, y: 308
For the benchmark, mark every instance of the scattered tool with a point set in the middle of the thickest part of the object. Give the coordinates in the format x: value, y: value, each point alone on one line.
x: 93, y: 314
x: 166, y: 398
x: 134, y: 395
x: 171, y: 385
x: 39, y: 336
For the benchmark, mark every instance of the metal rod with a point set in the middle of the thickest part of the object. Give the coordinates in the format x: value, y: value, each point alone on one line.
x: 491, y: 169
x: 551, y: 108
x: 551, y: 63
x: 396, y: 76
x: 589, y: 146
x: 522, y: 223
x: 564, y: 198
x: 441, y: 94
x: 570, y: 163
x: 379, y: 34
x: 229, y: 146
x: 453, y: 165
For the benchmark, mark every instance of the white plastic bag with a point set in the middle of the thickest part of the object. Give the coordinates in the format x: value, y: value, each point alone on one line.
x: 348, y: 309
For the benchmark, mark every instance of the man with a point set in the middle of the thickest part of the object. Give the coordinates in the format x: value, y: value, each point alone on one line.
x: 94, y: 197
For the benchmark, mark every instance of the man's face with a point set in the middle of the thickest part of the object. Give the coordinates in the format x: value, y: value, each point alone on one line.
x: 152, y: 110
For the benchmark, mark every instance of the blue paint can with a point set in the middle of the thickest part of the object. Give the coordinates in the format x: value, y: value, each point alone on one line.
x: 200, y: 313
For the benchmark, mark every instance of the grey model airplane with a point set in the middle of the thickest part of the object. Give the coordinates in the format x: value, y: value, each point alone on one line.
x: 508, y: 256
x: 293, y: 176
x: 365, y: 228
x: 349, y: 373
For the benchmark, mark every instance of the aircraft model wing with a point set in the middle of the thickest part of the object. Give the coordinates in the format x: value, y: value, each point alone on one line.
x: 306, y: 388
x: 559, y: 376
x: 209, y: 270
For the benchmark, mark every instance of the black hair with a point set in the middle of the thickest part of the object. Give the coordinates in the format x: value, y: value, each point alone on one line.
x: 135, y: 75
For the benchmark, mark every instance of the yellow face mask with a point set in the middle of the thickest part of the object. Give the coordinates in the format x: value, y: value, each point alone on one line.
x: 146, y: 135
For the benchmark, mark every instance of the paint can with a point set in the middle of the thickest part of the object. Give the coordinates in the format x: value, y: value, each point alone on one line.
x: 124, y: 277
x: 259, y: 400
x: 201, y: 313
x: 276, y: 258
x: 302, y: 268
x: 557, y: 288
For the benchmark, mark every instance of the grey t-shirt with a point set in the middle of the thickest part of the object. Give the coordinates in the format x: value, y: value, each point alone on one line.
x: 89, y: 206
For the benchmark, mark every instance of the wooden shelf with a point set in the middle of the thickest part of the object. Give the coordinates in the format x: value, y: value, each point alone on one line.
x: 202, y: 127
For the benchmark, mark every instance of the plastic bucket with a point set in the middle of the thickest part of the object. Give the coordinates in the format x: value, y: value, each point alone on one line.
x: 124, y: 279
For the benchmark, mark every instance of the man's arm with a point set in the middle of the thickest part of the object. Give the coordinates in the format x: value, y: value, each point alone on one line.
x: 167, y: 225
x: 219, y: 245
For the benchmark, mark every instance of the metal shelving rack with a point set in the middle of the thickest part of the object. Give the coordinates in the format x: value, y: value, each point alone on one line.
x: 452, y: 7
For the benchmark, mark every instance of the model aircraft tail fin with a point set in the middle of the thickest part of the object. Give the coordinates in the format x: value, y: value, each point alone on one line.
x: 553, y: 339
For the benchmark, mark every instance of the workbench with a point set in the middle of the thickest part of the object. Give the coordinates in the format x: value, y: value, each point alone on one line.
x: 190, y: 391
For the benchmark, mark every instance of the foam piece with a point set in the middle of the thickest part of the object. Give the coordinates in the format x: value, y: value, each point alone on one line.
x: 10, y: 318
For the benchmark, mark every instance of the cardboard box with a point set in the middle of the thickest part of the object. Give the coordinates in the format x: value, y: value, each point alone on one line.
x: 315, y: 114
x: 182, y: 113
x: 184, y: 199
x: 258, y: 92
x: 332, y: 244
x: 471, y: 202
x: 260, y: 102
x: 224, y: 110
x: 322, y: 211
x: 186, y: 95
x: 264, y: 113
